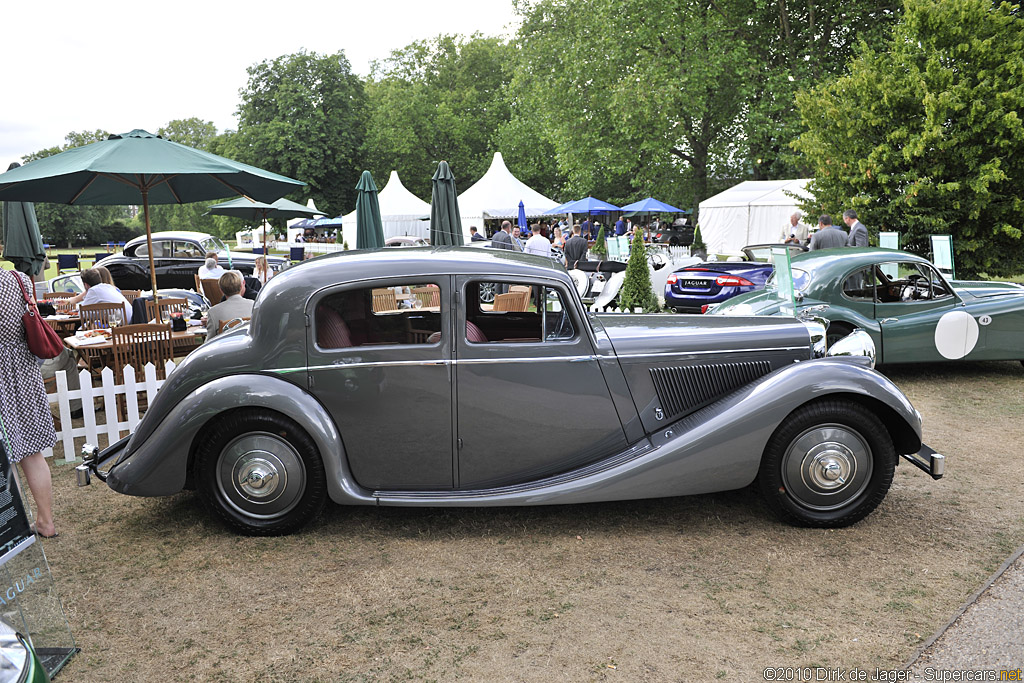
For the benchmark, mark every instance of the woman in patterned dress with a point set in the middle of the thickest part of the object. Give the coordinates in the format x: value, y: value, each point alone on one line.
x: 24, y: 409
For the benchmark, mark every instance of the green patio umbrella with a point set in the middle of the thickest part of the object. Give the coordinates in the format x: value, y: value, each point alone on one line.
x: 139, y: 168
x: 23, y: 245
x: 445, y: 221
x: 369, y: 227
x: 252, y: 210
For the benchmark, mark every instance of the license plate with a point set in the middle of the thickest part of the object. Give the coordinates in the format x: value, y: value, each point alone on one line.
x: 695, y: 284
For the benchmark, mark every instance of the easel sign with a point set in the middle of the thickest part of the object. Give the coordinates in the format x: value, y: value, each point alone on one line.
x: 889, y: 240
x: 784, y: 280
x: 942, y: 255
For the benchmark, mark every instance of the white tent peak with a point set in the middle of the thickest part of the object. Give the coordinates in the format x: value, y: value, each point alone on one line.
x: 497, y: 195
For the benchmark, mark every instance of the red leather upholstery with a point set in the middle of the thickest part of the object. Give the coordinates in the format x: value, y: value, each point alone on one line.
x: 331, y: 330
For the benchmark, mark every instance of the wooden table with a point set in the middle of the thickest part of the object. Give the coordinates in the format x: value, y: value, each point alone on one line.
x: 103, y: 352
x: 63, y: 325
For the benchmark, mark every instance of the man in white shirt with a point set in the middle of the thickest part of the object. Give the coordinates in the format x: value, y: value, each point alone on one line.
x: 537, y: 244
x: 99, y: 292
x: 235, y: 306
x: 796, y: 232
x: 210, y: 270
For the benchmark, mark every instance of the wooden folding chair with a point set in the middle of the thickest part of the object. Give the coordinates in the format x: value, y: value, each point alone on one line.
x: 167, y: 306
x: 137, y: 345
x: 229, y: 324
x: 131, y: 294
x: 100, y: 315
x: 384, y: 300
x: 58, y: 295
x: 428, y: 296
x: 211, y: 290
x: 512, y: 301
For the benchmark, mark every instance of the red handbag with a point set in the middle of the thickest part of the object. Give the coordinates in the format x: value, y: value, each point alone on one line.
x: 42, y: 340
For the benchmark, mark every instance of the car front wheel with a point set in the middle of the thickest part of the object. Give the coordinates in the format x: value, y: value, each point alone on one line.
x: 828, y: 465
x: 261, y: 473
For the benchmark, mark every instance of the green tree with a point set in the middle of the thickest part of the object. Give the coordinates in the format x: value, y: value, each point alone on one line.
x: 600, y: 247
x: 304, y: 115
x: 924, y: 135
x: 637, y: 290
x: 433, y: 100
x: 80, y: 225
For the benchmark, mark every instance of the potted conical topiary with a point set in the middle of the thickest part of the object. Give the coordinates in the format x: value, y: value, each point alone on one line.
x: 600, y: 248
x: 698, y: 248
x: 637, y: 291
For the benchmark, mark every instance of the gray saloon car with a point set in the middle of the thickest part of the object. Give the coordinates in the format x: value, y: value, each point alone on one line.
x: 385, y: 378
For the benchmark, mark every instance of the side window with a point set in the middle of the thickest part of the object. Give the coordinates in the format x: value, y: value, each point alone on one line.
x: 186, y: 250
x: 510, y: 312
x: 862, y: 285
x: 938, y: 285
x: 406, y: 313
x: 160, y: 249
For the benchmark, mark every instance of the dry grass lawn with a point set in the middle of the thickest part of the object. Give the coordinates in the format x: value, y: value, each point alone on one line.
x: 687, y: 589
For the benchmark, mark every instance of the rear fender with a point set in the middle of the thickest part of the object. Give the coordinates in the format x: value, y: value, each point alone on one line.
x: 159, y: 465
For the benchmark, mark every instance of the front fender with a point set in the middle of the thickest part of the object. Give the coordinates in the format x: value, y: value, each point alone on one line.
x: 157, y: 465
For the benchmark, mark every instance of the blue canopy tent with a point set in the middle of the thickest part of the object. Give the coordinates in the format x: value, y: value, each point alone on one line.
x: 651, y: 205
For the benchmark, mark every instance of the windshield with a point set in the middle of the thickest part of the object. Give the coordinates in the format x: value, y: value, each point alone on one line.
x: 800, y: 281
x: 213, y: 244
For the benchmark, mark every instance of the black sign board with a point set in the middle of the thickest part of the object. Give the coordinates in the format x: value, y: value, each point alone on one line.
x: 15, y: 532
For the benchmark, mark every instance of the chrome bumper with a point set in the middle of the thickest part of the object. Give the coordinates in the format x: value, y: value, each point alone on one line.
x: 929, y: 461
x: 93, y: 460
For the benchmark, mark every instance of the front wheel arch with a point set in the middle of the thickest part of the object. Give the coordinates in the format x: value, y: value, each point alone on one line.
x: 828, y: 464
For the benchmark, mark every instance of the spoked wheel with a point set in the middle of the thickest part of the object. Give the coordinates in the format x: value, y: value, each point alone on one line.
x: 261, y: 473
x: 487, y: 292
x: 829, y: 465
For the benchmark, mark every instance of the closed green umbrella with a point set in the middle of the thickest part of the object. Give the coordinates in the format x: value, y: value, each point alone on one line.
x: 251, y: 210
x: 139, y: 168
x: 369, y: 227
x: 23, y: 246
x: 445, y: 221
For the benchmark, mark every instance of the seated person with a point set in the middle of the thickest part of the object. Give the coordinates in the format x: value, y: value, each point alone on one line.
x: 99, y: 292
x: 210, y: 270
x: 234, y: 306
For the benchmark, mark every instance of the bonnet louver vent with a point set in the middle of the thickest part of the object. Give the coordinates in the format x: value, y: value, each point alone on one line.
x: 682, y: 389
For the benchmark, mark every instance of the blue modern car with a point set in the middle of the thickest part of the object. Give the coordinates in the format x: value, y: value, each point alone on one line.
x: 693, y: 288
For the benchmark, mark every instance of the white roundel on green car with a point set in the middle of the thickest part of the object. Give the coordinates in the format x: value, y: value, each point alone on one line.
x: 956, y: 334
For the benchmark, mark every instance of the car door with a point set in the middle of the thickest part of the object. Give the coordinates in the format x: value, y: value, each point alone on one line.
x: 161, y: 251
x: 181, y: 265
x: 920, y: 317
x: 378, y: 360
x: 531, y: 398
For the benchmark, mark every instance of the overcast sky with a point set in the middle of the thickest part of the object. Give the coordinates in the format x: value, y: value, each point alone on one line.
x: 116, y: 65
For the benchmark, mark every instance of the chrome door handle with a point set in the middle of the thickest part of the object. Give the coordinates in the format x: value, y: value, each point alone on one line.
x: 888, y: 320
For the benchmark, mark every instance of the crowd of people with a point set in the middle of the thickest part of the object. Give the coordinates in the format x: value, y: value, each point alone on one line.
x: 825, y: 235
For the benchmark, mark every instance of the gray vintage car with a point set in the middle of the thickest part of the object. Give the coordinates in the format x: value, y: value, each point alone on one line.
x: 384, y: 378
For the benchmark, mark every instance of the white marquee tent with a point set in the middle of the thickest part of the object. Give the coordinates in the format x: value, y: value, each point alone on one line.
x: 400, y: 211
x: 497, y: 195
x: 753, y: 212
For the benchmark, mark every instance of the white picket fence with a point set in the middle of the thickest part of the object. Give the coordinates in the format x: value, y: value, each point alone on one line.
x: 108, y: 390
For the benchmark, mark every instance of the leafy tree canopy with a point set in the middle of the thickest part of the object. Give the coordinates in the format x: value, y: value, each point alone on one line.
x: 303, y: 116
x: 924, y: 135
x: 434, y: 100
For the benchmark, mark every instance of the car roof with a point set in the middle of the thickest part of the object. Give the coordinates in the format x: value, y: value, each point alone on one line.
x: 376, y: 263
x: 173, y: 234
x: 823, y: 261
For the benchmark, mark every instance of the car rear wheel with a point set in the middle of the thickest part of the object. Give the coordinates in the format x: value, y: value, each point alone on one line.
x: 261, y: 473
x: 828, y: 465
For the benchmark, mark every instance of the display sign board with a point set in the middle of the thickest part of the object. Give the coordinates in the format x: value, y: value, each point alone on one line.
x: 28, y: 598
x: 15, y: 531
x: 942, y: 255
x: 889, y: 240
x: 784, y: 279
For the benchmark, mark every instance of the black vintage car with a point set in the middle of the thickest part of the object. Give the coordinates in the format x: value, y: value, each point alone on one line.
x: 177, y: 256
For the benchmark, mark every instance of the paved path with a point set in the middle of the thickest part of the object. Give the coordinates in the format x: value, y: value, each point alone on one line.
x: 987, y: 633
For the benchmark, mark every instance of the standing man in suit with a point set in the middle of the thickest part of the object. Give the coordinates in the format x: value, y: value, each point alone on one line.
x: 858, y: 232
x: 575, y: 249
x: 502, y: 239
x: 828, y: 236
x: 234, y: 306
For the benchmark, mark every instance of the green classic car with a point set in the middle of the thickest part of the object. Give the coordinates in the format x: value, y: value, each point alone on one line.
x: 912, y: 313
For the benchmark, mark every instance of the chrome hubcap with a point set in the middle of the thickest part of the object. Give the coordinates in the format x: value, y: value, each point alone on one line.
x: 827, y: 466
x: 260, y: 475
